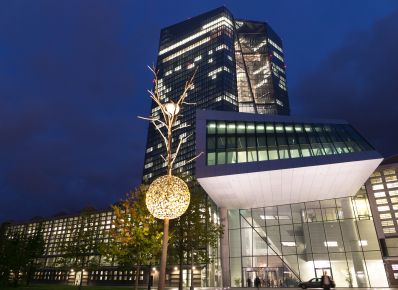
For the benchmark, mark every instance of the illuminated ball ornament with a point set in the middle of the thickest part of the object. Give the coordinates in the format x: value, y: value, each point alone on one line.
x: 167, y: 197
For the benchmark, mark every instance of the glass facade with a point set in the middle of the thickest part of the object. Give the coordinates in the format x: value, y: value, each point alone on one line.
x: 287, y: 243
x: 239, y: 67
x: 239, y: 142
x: 260, y: 69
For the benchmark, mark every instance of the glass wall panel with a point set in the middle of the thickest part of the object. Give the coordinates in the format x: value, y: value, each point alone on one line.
x: 288, y: 240
x: 375, y: 268
x: 306, y: 267
x: 233, y: 219
x: 301, y: 243
x: 258, y: 217
x: 271, y: 216
x: 350, y: 235
x: 246, y: 218
x: 334, y: 239
x: 317, y: 236
x: 274, y: 238
x: 284, y: 214
x: 247, y: 242
x: 234, y: 243
x: 236, y: 271
x: 259, y: 244
x: 367, y: 234
x: 339, y: 269
x: 298, y: 212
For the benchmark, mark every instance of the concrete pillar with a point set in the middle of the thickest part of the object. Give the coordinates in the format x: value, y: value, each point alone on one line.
x: 226, y: 276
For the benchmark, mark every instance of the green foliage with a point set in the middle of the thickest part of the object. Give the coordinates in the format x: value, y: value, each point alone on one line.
x: 136, y: 236
x: 18, y: 253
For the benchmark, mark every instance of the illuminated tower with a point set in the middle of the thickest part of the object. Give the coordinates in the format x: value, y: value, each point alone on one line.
x: 239, y: 66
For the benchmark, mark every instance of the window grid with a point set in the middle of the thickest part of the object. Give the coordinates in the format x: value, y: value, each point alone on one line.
x: 240, y: 142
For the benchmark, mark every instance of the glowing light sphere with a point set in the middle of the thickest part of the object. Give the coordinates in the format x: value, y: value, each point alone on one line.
x: 167, y: 197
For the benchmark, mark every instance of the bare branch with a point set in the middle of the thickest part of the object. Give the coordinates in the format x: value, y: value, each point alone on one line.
x: 192, y: 159
x: 161, y: 133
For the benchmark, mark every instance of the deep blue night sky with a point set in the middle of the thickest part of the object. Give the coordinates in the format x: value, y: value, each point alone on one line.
x: 73, y: 78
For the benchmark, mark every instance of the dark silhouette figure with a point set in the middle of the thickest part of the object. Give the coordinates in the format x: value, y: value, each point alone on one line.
x: 257, y: 282
x: 249, y: 282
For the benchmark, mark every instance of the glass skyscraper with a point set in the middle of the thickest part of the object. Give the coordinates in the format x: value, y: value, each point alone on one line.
x: 239, y: 66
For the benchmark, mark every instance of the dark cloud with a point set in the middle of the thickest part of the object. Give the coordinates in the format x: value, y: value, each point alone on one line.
x: 69, y: 132
x: 358, y: 82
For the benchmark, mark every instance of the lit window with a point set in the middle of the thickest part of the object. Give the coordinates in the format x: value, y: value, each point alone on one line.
x: 197, y: 58
x: 391, y: 178
x: 377, y: 186
x: 277, y: 56
x: 389, y: 230
x: 267, y: 217
x: 222, y: 46
x: 275, y: 45
x: 150, y: 164
x: 393, y: 192
x: 394, y: 199
x: 376, y: 173
x: 205, y: 28
x: 263, y: 82
x: 381, y: 201
x: 380, y: 194
x: 182, y: 51
x: 388, y: 223
x: 392, y: 184
x: 330, y: 244
x: 388, y: 171
x: 363, y: 243
x: 289, y: 244
x: 223, y: 20
x: 375, y: 180
x: 210, y: 60
x: 383, y: 208
x: 177, y: 68
x: 384, y: 216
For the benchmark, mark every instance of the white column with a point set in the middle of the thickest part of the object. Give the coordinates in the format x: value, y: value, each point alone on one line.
x: 226, y: 276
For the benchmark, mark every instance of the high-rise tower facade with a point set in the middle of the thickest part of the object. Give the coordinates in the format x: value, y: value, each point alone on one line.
x: 239, y: 66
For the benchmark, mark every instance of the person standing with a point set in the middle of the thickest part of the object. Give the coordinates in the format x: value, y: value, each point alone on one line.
x: 326, y: 281
x: 257, y: 282
x: 249, y: 282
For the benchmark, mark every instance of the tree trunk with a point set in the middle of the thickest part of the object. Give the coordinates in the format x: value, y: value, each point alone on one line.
x: 163, y: 262
x: 150, y: 280
x: 180, y: 282
x: 137, y: 277
x: 29, y: 274
x: 16, y: 277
